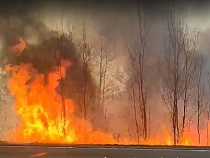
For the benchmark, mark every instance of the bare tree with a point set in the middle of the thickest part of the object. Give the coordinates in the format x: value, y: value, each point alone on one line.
x: 208, y: 111
x: 135, y: 110
x: 179, y: 69
x: 189, y: 68
x: 200, y: 93
x: 3, y: 87
x: 4, y: 93
x: 142, y: 58
x: 58, y: 59
x: 103, y: 68
x: 85, y: 60
x: 138, y: 56
x: 207, y: 126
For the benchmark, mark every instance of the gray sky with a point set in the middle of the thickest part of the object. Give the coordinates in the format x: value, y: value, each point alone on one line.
x: 112, y: 20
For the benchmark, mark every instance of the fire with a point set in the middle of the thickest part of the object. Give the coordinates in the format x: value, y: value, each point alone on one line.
x: 39, y: 108
x: 18, y: 48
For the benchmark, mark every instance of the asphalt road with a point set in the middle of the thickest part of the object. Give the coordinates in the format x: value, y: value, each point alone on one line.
x: 22, y: 151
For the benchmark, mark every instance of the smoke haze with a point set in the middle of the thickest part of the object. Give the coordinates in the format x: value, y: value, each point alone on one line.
x: 112, y: 21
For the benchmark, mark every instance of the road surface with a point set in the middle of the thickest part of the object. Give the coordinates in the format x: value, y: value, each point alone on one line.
x: 43, y: 151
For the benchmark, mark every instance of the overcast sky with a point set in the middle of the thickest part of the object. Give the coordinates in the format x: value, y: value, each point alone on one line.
x: 112, y: 19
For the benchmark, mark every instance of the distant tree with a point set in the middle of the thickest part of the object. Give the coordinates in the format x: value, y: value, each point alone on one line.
x: 208, y: 109
x: 108, y: 78
x: 177, y: 72
x: 4, y: 93
x: 200, y: 93
x: 3, y: 86
x: 138, y: 62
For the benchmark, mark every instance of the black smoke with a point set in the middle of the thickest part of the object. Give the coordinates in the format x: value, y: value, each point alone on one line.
x: 21, y: 20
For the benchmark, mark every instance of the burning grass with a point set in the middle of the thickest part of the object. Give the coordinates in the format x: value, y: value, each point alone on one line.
x: 39, y: 107
x: 40, y: 110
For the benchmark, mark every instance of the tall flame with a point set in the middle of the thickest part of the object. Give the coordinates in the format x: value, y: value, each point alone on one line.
x: 38, y: 105
x: 39, y: 108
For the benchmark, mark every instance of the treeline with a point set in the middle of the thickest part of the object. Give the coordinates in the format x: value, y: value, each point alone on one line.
x: 182, y: 80
x: 93, y: 78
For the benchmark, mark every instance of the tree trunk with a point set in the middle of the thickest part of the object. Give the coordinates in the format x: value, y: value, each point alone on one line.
x: 135, y: 112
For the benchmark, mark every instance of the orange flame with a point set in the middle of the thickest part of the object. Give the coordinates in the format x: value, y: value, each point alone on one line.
x: 38, y: 106
x: 18, y: 48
